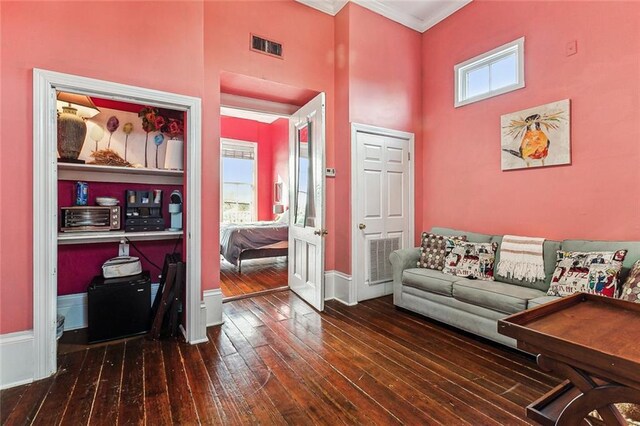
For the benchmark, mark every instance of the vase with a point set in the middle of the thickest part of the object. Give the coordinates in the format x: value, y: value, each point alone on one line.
x: 71, y: 133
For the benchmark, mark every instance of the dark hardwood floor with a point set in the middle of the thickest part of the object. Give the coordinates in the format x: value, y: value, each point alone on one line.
x: 257, y: 275
x: 277, y: 361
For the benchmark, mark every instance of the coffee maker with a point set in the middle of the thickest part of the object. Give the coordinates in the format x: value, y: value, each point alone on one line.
x: 175, y: 210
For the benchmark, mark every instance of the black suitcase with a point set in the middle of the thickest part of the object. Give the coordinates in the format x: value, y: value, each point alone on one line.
x: 119, y: 307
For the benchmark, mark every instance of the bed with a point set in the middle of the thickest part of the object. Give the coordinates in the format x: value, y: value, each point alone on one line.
x: 242, y: 241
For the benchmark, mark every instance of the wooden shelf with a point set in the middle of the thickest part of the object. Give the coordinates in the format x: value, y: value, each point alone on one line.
x: 96, y: 173
x: 114, y: 236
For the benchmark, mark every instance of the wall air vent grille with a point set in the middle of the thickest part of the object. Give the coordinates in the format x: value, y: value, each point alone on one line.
x: 269, y: 47
x: 379, y: 264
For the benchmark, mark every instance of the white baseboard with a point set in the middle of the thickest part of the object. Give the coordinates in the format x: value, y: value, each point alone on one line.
x: 74, y: 308
x: 16, y: 359
x: 213, y: 306
x: 341, y: 287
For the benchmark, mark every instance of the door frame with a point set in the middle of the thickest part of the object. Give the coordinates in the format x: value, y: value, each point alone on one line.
x: 357, y: 276
x: 45, y: 201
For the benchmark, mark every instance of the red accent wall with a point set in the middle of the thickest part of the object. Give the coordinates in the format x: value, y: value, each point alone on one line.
x: 597, y: 196
x: 280, y: 145
x: 78, y: 263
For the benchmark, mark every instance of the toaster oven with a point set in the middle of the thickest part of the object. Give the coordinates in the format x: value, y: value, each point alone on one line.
x: 89, y: 218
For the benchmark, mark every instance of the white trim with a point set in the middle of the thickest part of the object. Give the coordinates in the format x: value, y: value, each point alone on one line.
x: 92, y: 172
x: 331, y: 7
x: 213, y: 304
x: 342, y: 286
x: 445, y: 9
x: 329, y: 285
x: 16, y: 359
x: 257, y: 105
x: 462, y: 69
x: 357, y: 274
x: 45, y: 176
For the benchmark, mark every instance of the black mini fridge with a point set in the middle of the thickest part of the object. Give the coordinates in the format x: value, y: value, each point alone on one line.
x: 119, y: 307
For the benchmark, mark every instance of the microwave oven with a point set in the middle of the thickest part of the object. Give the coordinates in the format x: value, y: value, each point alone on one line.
x: 89, y: 218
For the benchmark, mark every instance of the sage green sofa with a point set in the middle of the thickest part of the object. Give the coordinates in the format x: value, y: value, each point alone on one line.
x: 474, y: 305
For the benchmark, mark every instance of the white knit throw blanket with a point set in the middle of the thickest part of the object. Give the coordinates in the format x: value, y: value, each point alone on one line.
x: 521, y: 258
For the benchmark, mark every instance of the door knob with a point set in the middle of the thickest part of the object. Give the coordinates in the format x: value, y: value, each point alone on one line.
x: 321, y: 232
x: 362, y: 226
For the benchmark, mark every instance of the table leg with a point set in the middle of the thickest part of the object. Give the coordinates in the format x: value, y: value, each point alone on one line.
x: 596, y: 394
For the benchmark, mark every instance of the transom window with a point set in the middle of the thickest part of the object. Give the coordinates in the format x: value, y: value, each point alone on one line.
x: 493, y: 73
x: 239, y: 195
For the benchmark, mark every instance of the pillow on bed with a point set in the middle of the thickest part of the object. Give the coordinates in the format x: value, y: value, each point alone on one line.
x: 283, y: 218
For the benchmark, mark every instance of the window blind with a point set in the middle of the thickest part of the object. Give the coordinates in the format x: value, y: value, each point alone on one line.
x: 239, y: 152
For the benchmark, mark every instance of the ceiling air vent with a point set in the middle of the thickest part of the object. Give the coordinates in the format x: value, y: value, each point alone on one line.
x: 269, y: 47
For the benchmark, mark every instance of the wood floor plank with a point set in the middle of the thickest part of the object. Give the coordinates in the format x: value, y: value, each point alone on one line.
x: 9, y: 399
x: 52, y: 409
x: 257, y: 275
x: 183, y: 410
x: 156, y: 393
x: 207, y: 403
x: 131, y: 408
x: 105, y: 405
x: 276, y: 360
x: 80, y: 403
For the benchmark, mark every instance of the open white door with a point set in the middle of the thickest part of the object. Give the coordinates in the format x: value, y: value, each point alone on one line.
x: 306, y: 223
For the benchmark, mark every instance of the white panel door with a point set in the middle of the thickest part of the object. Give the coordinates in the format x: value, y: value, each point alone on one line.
x: 306, y: 224
x: 383, y: 207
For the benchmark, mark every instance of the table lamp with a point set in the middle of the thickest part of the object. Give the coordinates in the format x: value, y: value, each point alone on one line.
x: 71, y: 126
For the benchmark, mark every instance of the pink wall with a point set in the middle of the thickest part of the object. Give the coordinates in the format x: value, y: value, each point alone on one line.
x: 598, y: 195
x: 254, y: 131
x: 123, y: 45
x: 307, y: 36
x: 380, y: 82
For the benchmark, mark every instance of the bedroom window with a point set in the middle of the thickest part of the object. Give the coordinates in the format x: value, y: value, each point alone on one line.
x: 493, y: 73
x: 239, y: 196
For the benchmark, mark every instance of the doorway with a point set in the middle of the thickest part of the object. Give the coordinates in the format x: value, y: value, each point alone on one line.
x: 382, y: 205
x: 254, y: 183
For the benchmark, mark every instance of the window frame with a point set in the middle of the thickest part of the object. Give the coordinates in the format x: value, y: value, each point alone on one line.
x: 231, y: 143
x: 462, y: 69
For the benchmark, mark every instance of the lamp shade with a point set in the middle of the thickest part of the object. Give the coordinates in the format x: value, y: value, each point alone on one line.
x: 82, y: 103
x: 278, y: 208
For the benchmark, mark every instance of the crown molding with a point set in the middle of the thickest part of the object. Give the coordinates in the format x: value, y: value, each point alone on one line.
x: 332, y: 7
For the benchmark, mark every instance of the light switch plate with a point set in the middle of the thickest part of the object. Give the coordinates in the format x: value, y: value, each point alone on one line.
x: 571, y: 48
x: 331, y: 172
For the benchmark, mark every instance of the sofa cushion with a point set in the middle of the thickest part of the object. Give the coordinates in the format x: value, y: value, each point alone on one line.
x: 434, y: 249
x: 471, y: 236
x: 592, y: 272
x: 501, y: 297
x: 632, y: 247
x: 429, y: 280
x: 631, y: 288
x: 532, y: 303
x: 549, y: 250
x: 472, y: 260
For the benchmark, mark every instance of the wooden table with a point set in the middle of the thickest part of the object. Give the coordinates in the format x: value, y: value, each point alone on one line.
x: 593, y: 342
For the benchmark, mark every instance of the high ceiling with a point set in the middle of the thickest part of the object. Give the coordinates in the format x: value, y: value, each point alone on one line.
x: 419, y: 15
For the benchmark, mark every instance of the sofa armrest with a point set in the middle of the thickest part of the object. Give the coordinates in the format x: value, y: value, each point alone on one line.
x: 401, y: 260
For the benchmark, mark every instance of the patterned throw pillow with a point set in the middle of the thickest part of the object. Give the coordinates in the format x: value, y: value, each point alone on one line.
x: 631, y: 287
x: 434, y: 249
x: 471, y: 260
x: 589, y: 272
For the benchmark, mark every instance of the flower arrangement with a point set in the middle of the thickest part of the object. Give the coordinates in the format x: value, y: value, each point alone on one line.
x: 154, y: 121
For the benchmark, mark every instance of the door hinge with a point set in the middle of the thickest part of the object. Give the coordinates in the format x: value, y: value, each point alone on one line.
x: 409, y: 155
